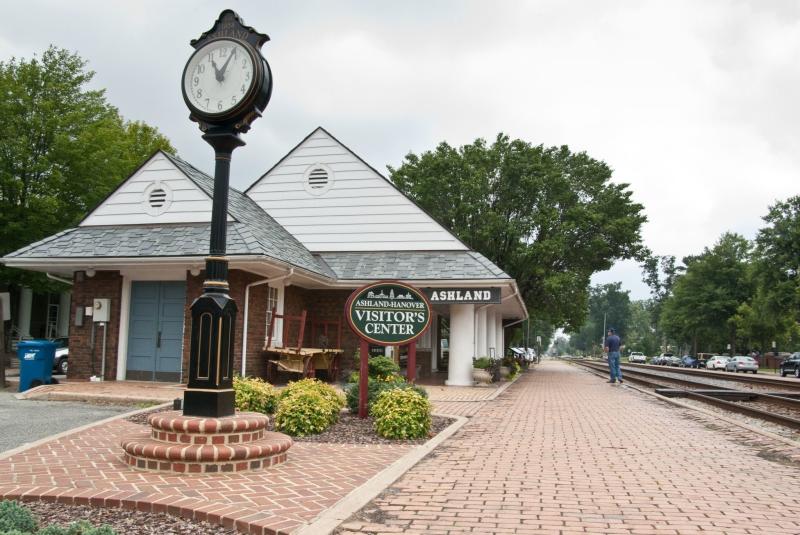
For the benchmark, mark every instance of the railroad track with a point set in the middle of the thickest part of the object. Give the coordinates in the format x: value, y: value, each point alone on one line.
x: 713, y: 394
x: 791, y: 384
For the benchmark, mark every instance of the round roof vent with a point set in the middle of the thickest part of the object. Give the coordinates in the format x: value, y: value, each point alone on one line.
x: 318, y: 179
x: 157, y: 198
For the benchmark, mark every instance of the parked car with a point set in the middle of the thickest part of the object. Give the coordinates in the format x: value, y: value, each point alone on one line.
x: 790, y: 365
x: 741, y: 364
x: 672, y: 360
x: 667, y: 359
x: 688, y: 361
x: 717, y: 362
x: 637, y: 356
x: 657, y: 360
x: 60, y: 364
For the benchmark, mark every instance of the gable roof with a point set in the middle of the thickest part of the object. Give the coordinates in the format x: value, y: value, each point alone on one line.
x: 420, y: 265
x: 361, y: 210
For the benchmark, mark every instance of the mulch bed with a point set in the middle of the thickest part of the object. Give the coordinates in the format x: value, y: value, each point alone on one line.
x: 350, y: 429
x: 123, y: 521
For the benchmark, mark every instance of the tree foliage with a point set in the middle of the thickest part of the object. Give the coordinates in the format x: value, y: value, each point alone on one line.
x: 706, y: 298
x: 609, y: 305
x: 548, y: 216
x: 64, y: 148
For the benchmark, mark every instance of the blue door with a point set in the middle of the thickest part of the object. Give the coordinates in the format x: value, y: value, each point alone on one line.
x: 155, y: 339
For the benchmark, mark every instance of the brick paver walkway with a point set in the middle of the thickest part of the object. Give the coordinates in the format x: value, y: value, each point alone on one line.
x: 86, y: 468
x: 563, y: 452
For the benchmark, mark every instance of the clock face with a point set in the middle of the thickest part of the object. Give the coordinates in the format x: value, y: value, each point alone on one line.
x: 218, y: 77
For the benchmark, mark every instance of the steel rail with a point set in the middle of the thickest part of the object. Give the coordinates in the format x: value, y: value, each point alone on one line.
x: 787, y: 421
x: 753, y: 378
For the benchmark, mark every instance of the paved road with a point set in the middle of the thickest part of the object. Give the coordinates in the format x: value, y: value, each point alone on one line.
x: 23, y: 421
x: 563, y: 452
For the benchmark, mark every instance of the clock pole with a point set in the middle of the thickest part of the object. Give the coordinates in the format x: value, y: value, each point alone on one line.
x: 209, y: 392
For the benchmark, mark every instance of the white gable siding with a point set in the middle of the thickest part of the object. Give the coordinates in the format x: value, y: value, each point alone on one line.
x: 128, y: 206
x: 360, y: 212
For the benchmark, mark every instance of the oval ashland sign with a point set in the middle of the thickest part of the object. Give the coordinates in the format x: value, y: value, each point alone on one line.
x: 388, y: 313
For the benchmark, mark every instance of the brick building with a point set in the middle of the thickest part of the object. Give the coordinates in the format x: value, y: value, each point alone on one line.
x: 317, y: 225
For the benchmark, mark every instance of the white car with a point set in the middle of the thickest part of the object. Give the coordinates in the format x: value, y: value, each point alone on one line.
x: 637, y: 356
x: 717, y: 362
x: 741, y: 364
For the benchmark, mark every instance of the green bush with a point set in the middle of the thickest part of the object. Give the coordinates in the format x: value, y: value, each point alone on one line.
x: 13, y: 517
x: 515, y: 369
x: 329, y: 393
x: 402, y: 413
x: 483, y: 363
x: 255, y: 395
x: 375, y: 387
x: 81, y: 527
x: 380, y: 367
x: 304, y: 413
x: 17, y: 520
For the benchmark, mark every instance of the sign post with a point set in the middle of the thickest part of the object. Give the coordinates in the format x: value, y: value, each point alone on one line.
x: 387, y: 313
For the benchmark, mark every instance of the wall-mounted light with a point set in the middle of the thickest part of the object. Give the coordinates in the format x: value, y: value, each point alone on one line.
x: 195, y: 271
x: 90, y: 272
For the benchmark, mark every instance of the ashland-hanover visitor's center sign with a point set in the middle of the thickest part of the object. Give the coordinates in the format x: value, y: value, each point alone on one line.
x: 388, y: 313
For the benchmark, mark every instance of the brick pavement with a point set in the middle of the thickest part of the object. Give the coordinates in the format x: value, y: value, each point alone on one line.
x: 563, y: 452
x: 85, y: 468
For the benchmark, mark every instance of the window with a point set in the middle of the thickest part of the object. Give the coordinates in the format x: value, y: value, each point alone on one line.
x: 272, y: 303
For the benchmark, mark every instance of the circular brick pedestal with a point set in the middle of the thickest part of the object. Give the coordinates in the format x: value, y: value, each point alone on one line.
x: 195, y: 445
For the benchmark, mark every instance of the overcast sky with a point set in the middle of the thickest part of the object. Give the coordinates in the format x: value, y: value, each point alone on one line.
x: 694, y: 104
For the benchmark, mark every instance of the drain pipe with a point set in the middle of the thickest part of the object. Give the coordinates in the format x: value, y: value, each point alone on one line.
x: 59, y: 279
x: 247, y: 306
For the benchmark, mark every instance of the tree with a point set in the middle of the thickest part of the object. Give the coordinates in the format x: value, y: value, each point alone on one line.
x: 642, y: 335
x: 64, y: 149
x: 777, y: 267
x: 609, y: 306
x: 548, y: 216
x: 705, y: 299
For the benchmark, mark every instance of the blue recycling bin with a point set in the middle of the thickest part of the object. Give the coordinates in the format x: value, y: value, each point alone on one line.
x: 35, y: 363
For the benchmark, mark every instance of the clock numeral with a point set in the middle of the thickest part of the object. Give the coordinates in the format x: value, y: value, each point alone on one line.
x: 223, y: 52
x: 208, y: 103
x: 199, y: 92
x: 244, y: 89
x: 219, y: 105
x: 247, y: 76
x: 201, y: 68
x: 244, y: 63
x: 196, y: 80
x: 233, y: 99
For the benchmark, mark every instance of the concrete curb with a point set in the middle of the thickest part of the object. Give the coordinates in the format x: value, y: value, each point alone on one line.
x: 88, y: 398
x: 45, y: 440
x: 331, y: 518
x: 712, y: 414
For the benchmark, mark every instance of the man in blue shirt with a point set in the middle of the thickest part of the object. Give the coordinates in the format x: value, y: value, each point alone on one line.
x: 612, y: 348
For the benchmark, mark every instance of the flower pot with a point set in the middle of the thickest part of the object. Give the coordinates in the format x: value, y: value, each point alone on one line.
x: 481, y: 376
x: 505, y: 371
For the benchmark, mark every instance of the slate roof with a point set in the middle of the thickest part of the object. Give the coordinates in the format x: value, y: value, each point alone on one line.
x: 253, y: 232
x: 410, y: 265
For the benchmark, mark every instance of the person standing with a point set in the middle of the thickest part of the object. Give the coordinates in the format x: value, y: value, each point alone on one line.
x: 612, y: 348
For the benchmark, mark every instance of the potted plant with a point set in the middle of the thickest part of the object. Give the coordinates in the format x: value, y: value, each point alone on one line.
x: 480, y: 370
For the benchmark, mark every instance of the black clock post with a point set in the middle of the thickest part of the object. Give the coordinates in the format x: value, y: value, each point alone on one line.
x: 235, y: 95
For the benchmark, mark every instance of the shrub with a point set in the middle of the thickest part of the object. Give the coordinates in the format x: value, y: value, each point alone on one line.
x: 326, y: 391
x: 375, y: 387
x: 253, y: 394
x: 380, y: 367
x: 81, y: 527
x: 482, y: 363
x: 13, y: 517
x: 304, y: 413
x: 515, y: 368
x: 402, y: 413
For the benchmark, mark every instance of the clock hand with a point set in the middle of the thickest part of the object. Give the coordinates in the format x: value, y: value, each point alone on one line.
x: 217, y: 74
x: 225, y: 66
